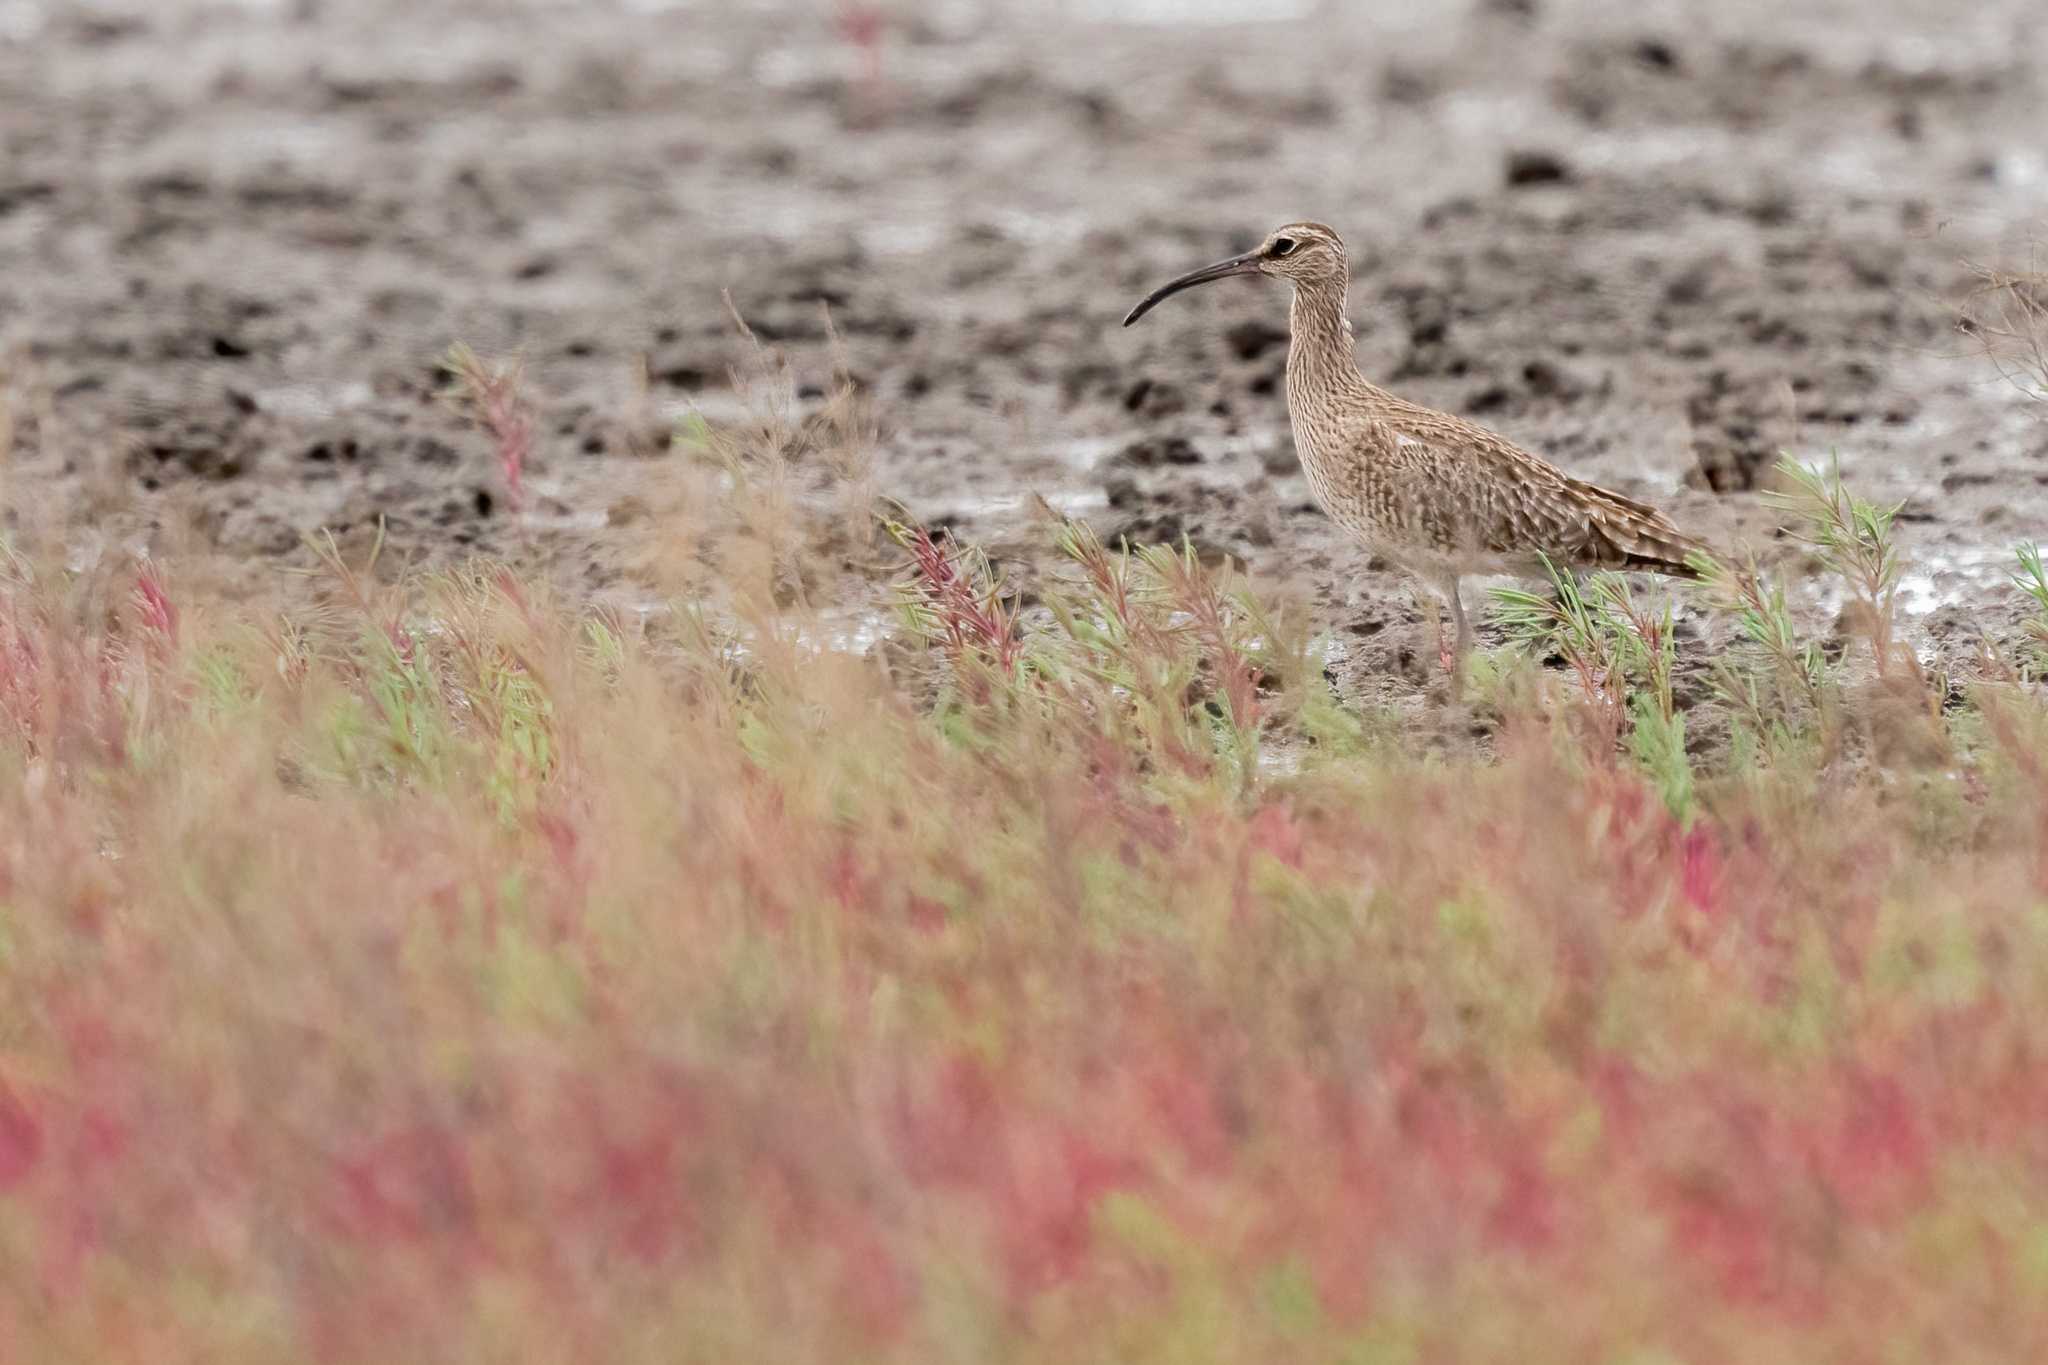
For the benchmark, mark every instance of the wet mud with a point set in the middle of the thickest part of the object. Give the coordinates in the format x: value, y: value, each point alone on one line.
x: 238, y: 240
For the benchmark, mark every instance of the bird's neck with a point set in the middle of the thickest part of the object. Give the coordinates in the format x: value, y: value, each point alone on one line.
x: 1320, y: 363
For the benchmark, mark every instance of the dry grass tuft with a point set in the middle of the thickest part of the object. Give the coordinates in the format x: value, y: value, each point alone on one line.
x: 2007, y: 315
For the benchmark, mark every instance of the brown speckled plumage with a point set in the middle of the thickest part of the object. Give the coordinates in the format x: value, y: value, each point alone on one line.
x: 1434, y: 493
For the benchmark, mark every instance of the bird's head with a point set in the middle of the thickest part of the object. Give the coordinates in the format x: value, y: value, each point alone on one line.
x: 1306, y: 253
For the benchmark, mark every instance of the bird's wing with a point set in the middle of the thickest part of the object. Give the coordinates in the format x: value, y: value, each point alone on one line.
x: 1505, y: 501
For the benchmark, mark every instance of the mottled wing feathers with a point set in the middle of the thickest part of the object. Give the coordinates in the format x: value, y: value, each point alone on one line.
x: 1479, y: 492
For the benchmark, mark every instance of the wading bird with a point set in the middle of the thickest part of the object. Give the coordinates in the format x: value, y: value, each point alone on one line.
x: 1433, y: 493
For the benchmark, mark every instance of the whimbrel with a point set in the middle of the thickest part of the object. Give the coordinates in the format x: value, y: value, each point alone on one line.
x: 1433, y: 493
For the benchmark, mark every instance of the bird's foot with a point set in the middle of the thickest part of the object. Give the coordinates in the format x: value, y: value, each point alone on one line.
x: 1452, y: 664
x: 1448, y: 656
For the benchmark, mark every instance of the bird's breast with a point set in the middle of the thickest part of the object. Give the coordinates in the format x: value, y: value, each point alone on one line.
x: 1340, y: 481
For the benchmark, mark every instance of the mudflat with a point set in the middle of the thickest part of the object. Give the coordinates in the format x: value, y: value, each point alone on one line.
x: 237, y: 242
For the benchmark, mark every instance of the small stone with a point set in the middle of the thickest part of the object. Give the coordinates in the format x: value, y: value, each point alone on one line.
x: 1657, y: 54
x: 1150, y: 451
x: 1254, y: 337
x: 1529, y: 167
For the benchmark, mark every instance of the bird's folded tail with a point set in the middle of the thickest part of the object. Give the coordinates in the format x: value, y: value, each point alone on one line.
x: 1632, y: 535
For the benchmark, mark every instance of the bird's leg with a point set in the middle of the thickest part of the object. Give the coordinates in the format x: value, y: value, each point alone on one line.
x: 1458, y: 617
x: 1455, y: 664
x: 1426, y: 599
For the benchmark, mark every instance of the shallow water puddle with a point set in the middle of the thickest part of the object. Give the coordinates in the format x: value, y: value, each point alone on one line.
x: 851, y: 630
x: 1207, y: 12
x: 313, y: 402
x: 1072, y: 502
x: 1934, y: 578
x: 1084, y: 453
x: 832, y: 630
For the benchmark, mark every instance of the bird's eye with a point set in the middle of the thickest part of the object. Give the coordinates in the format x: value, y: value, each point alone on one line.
x: 1283, y: 245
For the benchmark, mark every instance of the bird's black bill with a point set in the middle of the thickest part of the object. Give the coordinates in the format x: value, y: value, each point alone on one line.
x: 1236, y: 265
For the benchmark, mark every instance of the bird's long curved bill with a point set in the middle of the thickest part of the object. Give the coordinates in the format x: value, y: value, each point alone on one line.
x: 1236, y: 265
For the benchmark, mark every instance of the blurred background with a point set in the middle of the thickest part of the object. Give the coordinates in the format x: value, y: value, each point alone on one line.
x: 1655, y: 241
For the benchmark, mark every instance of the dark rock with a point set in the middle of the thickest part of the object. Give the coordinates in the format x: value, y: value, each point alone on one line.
x: 1253, y: 337
x: 1153, y: 398
x: 1490, y: 399
x: 1528, y: 167
x: 1657, y: 54
x: 1150, y: 451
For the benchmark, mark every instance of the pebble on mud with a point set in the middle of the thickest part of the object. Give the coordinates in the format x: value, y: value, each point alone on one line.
x: 1529, y: 167
x: 1150, y: 451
